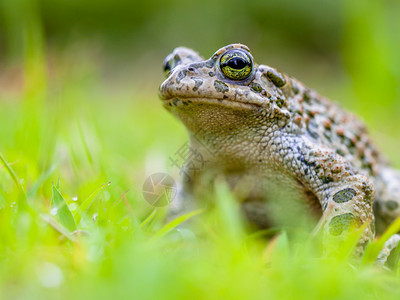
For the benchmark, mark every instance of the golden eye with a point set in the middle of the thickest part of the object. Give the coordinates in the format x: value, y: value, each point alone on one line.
x: 236, y: 64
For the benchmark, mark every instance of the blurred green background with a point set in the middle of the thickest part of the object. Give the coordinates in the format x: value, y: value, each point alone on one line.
x: 347, y: 50
x: 79, y: 105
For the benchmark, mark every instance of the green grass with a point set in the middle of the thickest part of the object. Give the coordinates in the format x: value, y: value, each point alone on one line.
x: 76, y: 146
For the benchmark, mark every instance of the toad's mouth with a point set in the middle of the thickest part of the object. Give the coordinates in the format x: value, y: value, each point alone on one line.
x: 181, y: 102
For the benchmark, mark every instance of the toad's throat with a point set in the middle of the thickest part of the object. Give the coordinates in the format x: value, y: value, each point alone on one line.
x: 190, y: 101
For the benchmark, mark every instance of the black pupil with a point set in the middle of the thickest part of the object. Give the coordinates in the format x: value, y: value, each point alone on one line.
x: 237, y: 63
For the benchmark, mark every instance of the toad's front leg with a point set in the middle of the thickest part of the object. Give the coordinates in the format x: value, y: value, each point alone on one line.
x: 347, y: 204
x: 345, y: 196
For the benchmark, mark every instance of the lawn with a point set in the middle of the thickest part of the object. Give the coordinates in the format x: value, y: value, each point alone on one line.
x: 80, y: 132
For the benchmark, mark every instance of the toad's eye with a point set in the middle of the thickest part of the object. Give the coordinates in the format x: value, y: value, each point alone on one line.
x: 167, y: 68
x: 236, y: 64
x: 170, y: 62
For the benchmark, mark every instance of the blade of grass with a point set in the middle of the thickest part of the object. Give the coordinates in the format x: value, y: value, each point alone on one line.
x: 13, y: 176
x: 175, y: 222
x: 229, y: 213
x: 278, y: 252
x: 149, y: 218
x: 373, y: 249
x: 42, y: 178
x: 85, y: 145
x: 82, y: 209
x: 350, y: 243
x: 64, y: 214
x: 53, y: 223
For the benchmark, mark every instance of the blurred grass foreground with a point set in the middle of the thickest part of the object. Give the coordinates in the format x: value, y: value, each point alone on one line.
x: 81, y: 127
